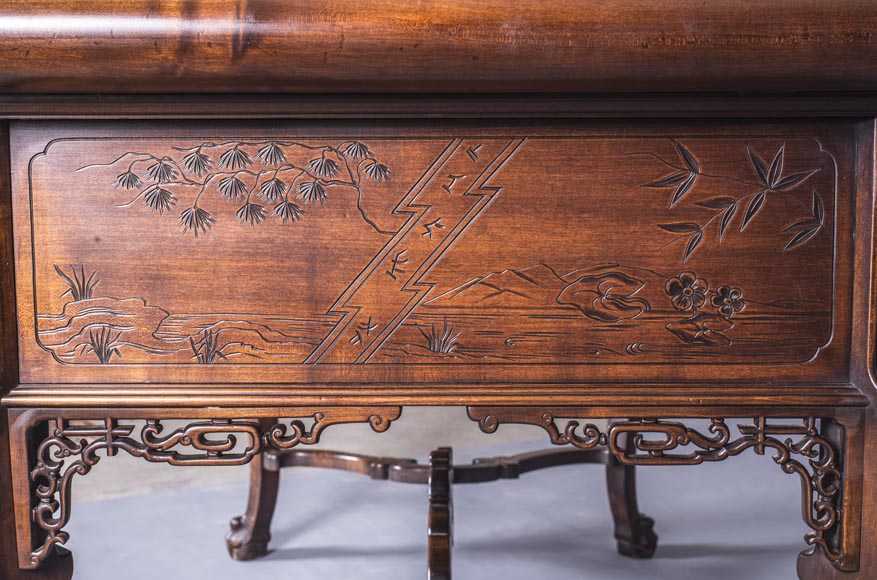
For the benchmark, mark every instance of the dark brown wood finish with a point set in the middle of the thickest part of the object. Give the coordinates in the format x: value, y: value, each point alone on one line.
x: 439, y: 45
x: 815, y: 567
x: 673, y: 251
x: 58, y: 566
x: 825, y: 453
x: 499, y: 106
x: 440, y: 528
x: 42, y: 479
x: 402, y: 470
x: 250, y: 533
x: 833, y: 450
x: 634, y: 531
x: 414, y: 230
x: 8, y: 357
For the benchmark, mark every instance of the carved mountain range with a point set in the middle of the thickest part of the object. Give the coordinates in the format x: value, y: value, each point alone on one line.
x: 533, y: 285
x: 607, y: 292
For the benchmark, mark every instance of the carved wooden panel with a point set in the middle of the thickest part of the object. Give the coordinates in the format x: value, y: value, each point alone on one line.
x: 342, y: 253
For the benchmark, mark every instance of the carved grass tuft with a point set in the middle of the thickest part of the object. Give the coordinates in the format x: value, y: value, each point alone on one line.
x: 78, y: 286
x: 103, y: 343
x: 207, y: 348
x: 441, y: 340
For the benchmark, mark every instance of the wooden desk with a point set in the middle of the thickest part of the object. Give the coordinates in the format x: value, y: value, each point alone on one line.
x: 354, y: 234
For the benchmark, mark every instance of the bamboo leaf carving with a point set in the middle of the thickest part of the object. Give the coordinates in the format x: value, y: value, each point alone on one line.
x: 755, y: 205
x: 807, y: 228
x: 770, y: 183
x: 687, y: 157
x: 717, y: 202
x: 680, y: 228
x: 727, y: 216
x: 673, y: 179
x: 760, y: 167
x: 794, y: 180
x: 693, y: 243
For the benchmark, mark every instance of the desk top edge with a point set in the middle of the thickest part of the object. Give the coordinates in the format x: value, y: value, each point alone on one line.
x: 344, y: 46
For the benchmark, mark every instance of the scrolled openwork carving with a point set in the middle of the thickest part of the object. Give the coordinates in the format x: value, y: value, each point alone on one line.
x: 797, y: 448
x: 55, y: 466
x: 589, y: 438
x: 284, y: 436
x: 817, y: 467
x: 670, y: 436
x: 202, y: 438
x: 72, y: 449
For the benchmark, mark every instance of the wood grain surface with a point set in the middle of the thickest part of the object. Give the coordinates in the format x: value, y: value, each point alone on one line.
x: 59, y: 566
x: 325, y: 246
x: 437, y: 46
x: 211, y: 253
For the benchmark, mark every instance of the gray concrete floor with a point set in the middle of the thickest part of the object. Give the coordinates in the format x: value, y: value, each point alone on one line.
x: 736, y: 519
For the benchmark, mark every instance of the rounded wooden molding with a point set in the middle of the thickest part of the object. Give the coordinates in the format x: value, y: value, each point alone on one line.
x: 254, y: 46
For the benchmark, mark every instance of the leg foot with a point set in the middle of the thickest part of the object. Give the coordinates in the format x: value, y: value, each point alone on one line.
x: 633, y: 530
x: 240, y: 544
x: 249, y: 534
x: 813, y: 565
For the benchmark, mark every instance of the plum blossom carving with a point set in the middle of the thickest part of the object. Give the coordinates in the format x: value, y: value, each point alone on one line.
x: 688, y: 293
x: 729, y: 301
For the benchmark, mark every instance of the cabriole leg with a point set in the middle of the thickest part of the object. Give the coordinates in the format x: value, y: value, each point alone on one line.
x: 826, y: 453
x: 633, y: 530
x: 45, y: 462
x: 250, y: 533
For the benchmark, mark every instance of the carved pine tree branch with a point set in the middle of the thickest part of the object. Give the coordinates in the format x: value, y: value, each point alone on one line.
x: 238, y: 170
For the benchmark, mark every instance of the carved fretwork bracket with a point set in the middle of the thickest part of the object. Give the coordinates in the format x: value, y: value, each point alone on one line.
x: 797, y: 448
x: 73, y: 446
x: 283, y: 437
